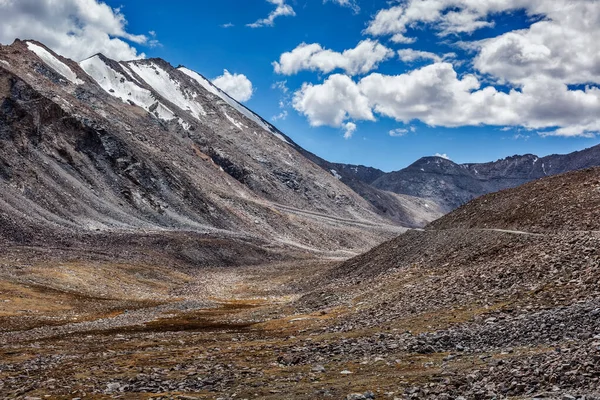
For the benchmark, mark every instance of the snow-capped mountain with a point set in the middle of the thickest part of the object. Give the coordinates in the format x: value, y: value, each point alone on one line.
x: 108, y: 147
x: 138, y: 82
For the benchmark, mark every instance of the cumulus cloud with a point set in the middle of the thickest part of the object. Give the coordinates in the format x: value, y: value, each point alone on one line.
x: 281, y: 10
x: 332, y: 102
x: 349, y: 129
x: 73, y: 28
x: 449, y: 16
x: 365, y: 57
x: 444, y: 156
x: 237, y: 86
x: 550, y: 70
x: 562, y: 45
x: 437, y: 96
x: 392, y: 21
x: 346, y: 3
x: 411, y: 55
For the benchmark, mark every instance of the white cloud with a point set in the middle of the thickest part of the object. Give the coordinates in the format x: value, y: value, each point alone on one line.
x: 227, y: 25
x: 281, y: 116
x: 346, y: 3
x: 399, y: 132
x: 365, y: 57
x: 539, y: 65
x: 449, y: 16
x: 411, y: 55
x: 332, y: 102
x: 153, y: 42
x: 73, y: 28
x: 281, y: 85
x: 518, y: 136
x: 237, y: 86
x: 349, y: 129
x: 437, y: 96
x: 562, y: 45
x: 444, y: 156
x: 281, y: 10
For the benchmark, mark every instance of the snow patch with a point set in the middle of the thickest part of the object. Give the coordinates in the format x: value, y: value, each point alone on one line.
x: 335, y: 173
x: 167, y: 87
x: 122, y: 87
x: 5, y: 63
x: 280, y: 137
x: 130, y: 72
x: 206, y: 84
x: 163, y: 112
x: 235, y: 123
x: 54, y: 63
x: 184, y: 124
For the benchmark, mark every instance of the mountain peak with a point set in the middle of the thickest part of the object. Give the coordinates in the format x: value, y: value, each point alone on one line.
x: 432, y: 163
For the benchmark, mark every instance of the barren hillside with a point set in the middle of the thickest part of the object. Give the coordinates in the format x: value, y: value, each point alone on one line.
x: 107, y: 147
x: 568, y: 201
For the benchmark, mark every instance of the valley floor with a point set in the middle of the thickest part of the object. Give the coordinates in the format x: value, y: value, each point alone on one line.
x: 74, y: 330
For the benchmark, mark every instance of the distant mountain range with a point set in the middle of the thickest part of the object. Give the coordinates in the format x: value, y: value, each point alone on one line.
x: 450, y: 185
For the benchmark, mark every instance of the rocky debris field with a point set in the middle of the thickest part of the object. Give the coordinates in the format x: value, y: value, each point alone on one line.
x: 563, y: 202
x: 480, y: 314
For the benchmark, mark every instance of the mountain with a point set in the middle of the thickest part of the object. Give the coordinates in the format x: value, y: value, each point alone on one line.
x: 104, y: 149
x: 451, y: 185
x: 497, y: 299
x: 406, y: 210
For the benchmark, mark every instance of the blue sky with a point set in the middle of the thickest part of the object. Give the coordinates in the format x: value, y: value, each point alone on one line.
x: 529, y: 105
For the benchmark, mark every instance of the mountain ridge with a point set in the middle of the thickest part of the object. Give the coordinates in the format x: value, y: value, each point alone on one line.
x: 452, y: 185
x: 158, y: 153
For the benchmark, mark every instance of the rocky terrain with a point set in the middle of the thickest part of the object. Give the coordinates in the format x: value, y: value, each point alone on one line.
x: 499, y: 297
x: 401, y: 208
x: 561, y: 202
x: 467, y: 308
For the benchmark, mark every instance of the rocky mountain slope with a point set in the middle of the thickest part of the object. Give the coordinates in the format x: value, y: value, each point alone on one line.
x: 497, y: 299
x: 410, y: 211
x: 566, y: 201
x: 452, y: 185
x: 103, y: 147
